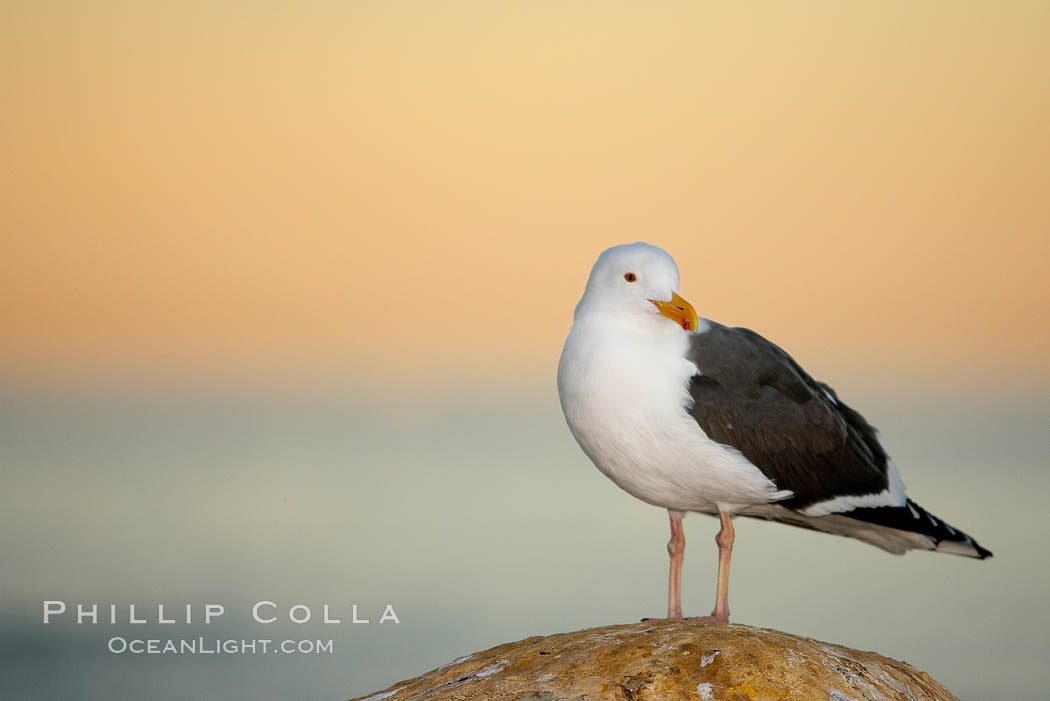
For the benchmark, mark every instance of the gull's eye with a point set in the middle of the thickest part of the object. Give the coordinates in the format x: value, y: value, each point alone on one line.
x: 630, y: 277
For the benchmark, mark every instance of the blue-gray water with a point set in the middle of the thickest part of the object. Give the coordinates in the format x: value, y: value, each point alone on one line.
x: 480, y: 522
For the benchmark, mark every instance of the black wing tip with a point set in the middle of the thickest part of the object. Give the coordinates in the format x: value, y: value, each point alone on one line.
x: 914, y: 519
x: 982, y: 553
x: 967, y: 547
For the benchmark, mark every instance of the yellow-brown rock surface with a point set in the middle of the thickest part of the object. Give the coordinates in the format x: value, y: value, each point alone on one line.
x: 693, y: 660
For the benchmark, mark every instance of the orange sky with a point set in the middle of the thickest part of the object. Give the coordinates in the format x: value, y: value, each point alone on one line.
x: 397, y: 191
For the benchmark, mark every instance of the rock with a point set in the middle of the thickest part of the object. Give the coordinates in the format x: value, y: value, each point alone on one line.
x: 694, y: 660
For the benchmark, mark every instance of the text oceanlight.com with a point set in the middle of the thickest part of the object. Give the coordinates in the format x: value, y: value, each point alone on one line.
x: 204, y: 646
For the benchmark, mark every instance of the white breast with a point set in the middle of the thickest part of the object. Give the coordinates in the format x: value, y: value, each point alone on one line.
x: 624, y: 392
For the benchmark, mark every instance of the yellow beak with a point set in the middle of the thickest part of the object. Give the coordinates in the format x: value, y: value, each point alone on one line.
x: 679, y: 310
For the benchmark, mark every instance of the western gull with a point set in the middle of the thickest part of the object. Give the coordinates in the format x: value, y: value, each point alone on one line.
x: 690, y: 415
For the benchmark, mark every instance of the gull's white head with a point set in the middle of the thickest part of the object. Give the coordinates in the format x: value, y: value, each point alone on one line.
x: 636, y: 281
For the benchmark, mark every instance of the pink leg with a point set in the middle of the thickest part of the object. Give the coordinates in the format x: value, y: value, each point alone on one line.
x: 676, y: 549
x: 725, y: 539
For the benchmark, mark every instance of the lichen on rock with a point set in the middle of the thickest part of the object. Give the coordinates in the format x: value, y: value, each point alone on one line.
x: 695, y: 660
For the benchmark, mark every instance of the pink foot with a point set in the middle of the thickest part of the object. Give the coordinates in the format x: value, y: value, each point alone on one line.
x: 704, y: 619
x: 710, y: 619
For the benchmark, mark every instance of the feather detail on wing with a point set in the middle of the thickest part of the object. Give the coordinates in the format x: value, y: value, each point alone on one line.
x: 752, y: 396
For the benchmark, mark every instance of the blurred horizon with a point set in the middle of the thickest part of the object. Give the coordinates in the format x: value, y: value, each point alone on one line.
x: 482, y: 523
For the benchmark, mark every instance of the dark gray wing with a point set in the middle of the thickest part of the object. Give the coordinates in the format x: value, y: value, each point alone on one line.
x: 753, y: 396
